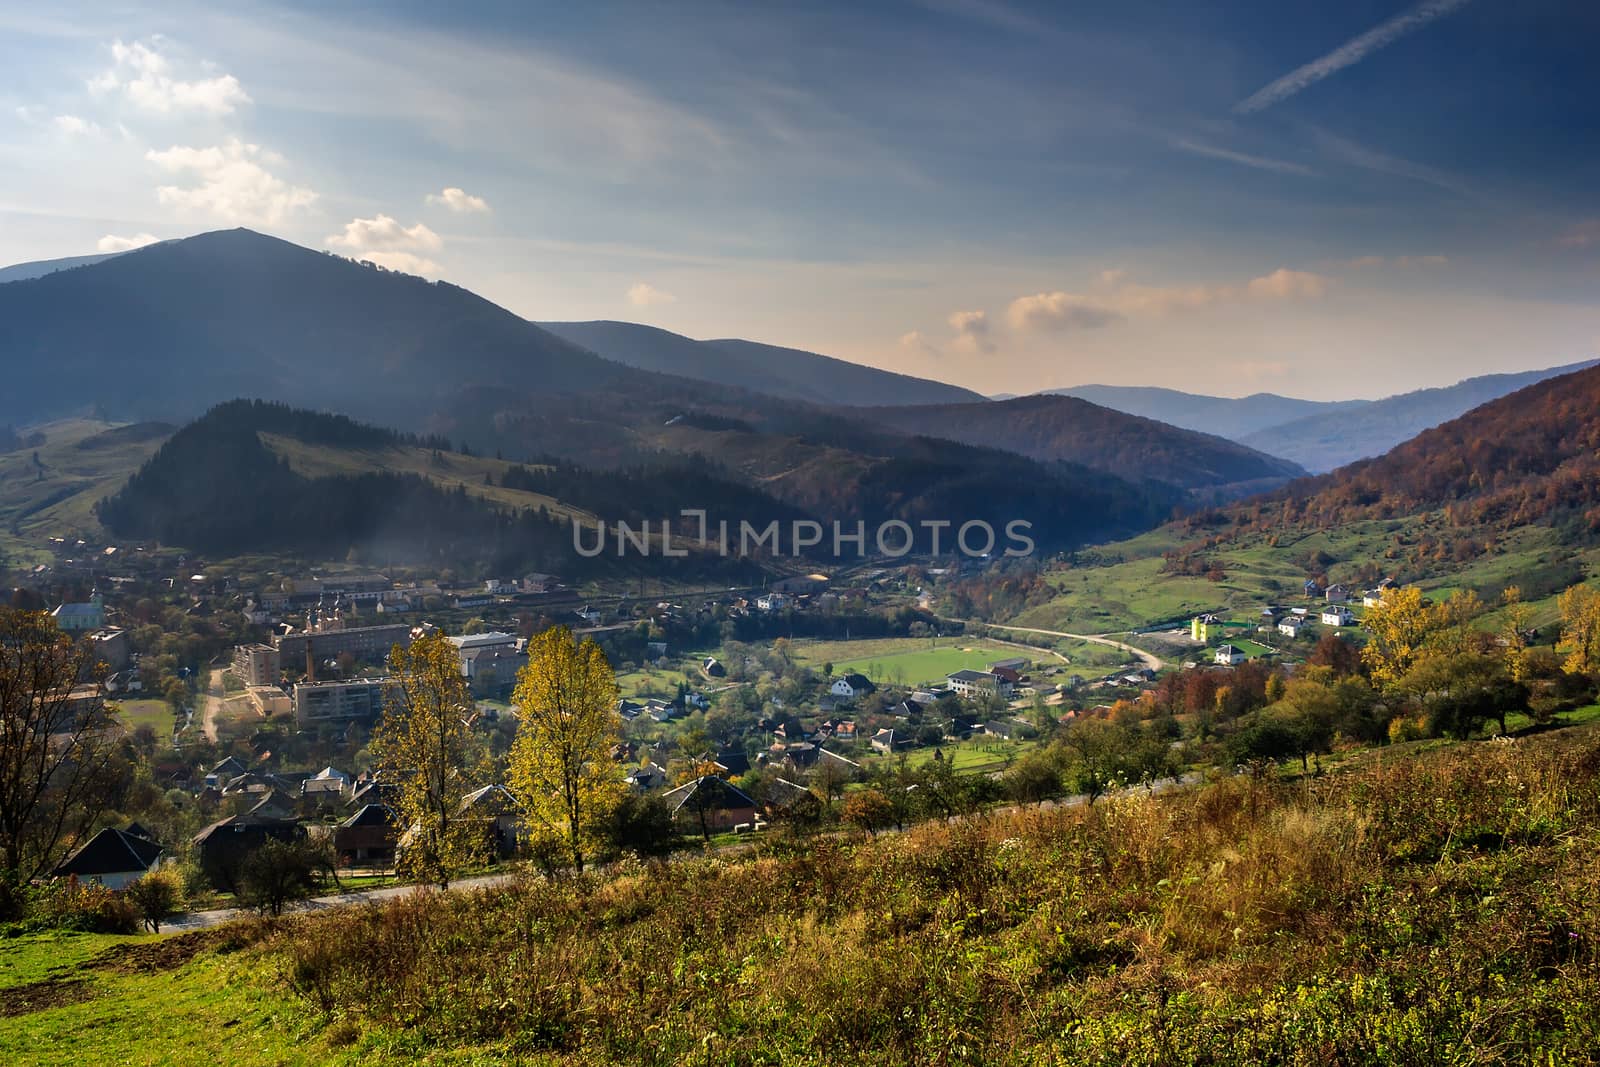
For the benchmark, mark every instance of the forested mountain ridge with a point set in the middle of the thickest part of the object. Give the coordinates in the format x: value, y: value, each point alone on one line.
x: 1068, y: 429
x: 1530, y: 457
x: 771, y: 369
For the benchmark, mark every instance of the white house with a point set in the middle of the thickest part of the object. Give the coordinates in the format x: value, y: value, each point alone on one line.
x: 1372, y: 598
x: 112, y: 858
x: 980, y: 683
x: 1229, y: 656
x: 1292, y: 625
x: 1339, y: 615
x: 851, y: 687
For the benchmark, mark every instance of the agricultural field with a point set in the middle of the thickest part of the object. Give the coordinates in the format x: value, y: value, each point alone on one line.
x: 156, y: 714
x: 909, y: 660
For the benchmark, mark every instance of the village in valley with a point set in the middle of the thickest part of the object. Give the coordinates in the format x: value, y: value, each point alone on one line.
x: 738, y: 710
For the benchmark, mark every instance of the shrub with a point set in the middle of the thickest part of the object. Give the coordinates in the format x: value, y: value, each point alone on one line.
x: 92, y: 908
x: 155, y: 896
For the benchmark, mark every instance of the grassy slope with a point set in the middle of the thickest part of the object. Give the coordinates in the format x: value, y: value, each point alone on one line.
x: 1127, y: 589
x: 77, y: 471
x: 1417, y: 906
x: 451, y: 470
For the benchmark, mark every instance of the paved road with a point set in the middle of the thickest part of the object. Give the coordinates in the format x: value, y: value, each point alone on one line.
x: 1148, y: 659
x: 211, y: 702
x: 199, y: 920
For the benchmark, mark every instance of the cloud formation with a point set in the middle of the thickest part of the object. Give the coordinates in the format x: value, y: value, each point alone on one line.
x: 73, y: 126
x: 383, y: 241
x: 144, y: 78
x: 384, y: 233
x: 643, y: 294
x: 1058, y: 311
x: 1348, y: 54
x: 458, y: 200
x: 1117, y: 299
x: 113, y: 243
x: 972, y: 331
x: 230, y: 183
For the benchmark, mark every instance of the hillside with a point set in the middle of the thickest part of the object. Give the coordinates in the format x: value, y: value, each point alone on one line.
x: 49, y: 489
x: 1328, y: 440
x: 182, y: 325
x: 1530, y: 457
x: 771, y: 369
x: 1067, y: 429
x: 1422, y: 907
x: 21, y: 272
x: 187, y: 324
x: 1230, y: 417
x: 254, y: 477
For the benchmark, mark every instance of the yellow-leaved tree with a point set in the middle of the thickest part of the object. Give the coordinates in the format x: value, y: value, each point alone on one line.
x: 561, y: 770
x: 423, y: 743
x: 1580, y: 629
x: 1398, y: 628
x: 1516, y: 622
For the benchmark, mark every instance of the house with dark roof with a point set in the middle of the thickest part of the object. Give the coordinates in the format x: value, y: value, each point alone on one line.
x: 852, y: 687
x: 111, y: 858
x: 368, y: 836
x: 223, y: 846
x: 1229, y: 656
x: 710, y: 804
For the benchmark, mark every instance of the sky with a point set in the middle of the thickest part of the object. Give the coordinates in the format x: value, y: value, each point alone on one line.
x: 1320, y: 199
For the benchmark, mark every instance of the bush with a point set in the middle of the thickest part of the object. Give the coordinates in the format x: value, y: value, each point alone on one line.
x: 155, y: 896
x: 92, y: 908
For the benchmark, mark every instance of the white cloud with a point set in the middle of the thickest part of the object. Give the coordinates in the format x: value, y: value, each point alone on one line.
x: 972, y: 330
x: 1116, y: 299
x: 1348, y: 54
x: 231, y: 183
x: 113, y: 243
x: 143, y: 77
x: 458, y: 200
x: 383, y: 233
x: 643, y: 294
x: 1285, y: 284
x: 73, y: 126
x: 1054, y: 312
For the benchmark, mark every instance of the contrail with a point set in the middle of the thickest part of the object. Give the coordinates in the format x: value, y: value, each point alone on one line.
x: 1352, y: 51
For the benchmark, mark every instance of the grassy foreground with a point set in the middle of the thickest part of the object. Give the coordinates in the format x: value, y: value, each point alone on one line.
x: 1436, y: 908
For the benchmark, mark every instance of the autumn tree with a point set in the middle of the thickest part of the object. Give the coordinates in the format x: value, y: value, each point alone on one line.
x: 566, y: 701
x: 1516, y: 625
x: 59, y: 764
x: 869, y: 810
x: 1580, y: 629
x: 1397, y: 627
x: 423, y: 744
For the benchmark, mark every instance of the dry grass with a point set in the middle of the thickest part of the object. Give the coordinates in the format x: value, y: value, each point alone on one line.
x: 1438, y: 909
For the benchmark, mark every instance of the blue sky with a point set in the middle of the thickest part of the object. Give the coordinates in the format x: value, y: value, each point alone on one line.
x: 1323, y: 199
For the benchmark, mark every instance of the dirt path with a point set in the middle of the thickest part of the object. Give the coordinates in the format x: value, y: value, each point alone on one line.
x: 1147, y: 658
x: 211, y: 703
